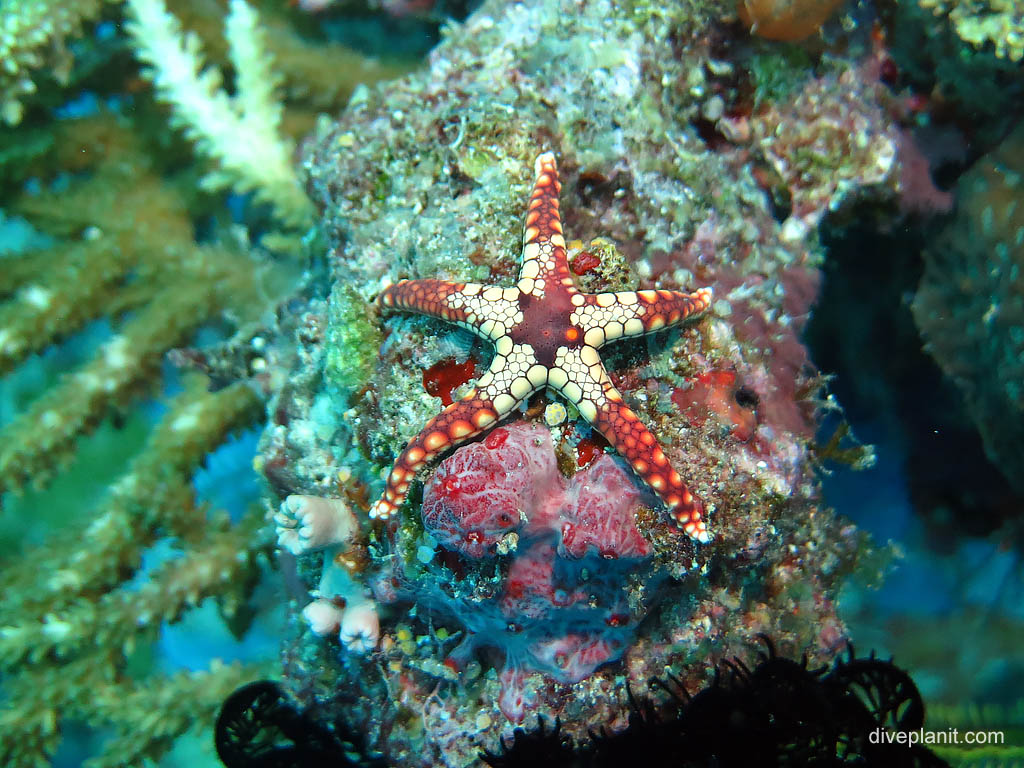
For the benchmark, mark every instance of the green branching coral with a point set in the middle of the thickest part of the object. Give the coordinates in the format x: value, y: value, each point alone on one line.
x: 137, y: 255
x: 241, y: 133
x: 78, y: 618
x: 32, y: 36
x: 71, y: 626
x: 129, y: 250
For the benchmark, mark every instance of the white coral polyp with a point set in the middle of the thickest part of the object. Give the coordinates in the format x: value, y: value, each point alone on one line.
x: 360, y: 628
x: 324, y: 617
x: 308, y: 523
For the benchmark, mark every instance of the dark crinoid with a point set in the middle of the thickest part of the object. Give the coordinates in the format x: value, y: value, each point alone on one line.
x: 872, y: 696
x: 780, y: 713
x: 539, y: 747
x: 259, y: 728
x: 651, y: 730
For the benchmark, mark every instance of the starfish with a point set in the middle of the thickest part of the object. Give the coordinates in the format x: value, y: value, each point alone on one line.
x: 546, y: 334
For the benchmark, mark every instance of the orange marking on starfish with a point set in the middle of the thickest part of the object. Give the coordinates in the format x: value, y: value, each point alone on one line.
x: 483, y: 418
x: 435, y: 440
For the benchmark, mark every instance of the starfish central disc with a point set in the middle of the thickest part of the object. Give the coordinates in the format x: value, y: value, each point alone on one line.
x: 546, y: 334
x: 546, y: 326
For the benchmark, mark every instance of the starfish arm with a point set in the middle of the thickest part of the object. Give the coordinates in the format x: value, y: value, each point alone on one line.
x: 483, y: 309
x: 544, y: 259
x: 455, y: 424
x: 490, y: 401
x: 604, y: 317
x: 587, y: 386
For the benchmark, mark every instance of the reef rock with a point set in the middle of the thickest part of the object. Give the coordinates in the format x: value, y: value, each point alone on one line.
x: 514, y: 579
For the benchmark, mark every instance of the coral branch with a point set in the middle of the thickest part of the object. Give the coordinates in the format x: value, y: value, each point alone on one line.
x: 239, y: 134
x: 32, y: 34
x: 70, y: 617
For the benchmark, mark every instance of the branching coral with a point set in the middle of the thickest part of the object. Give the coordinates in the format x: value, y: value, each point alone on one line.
x: 317, y: 73
x: 33, y: 35
x: 70, y: 622
x: 138, y: 254
x: 239, y: 133
x: 81, y: 611
x: 131, y: 257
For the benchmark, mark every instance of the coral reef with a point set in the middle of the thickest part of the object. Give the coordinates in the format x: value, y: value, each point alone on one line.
x: 970, y: 302
x: 424, y: 180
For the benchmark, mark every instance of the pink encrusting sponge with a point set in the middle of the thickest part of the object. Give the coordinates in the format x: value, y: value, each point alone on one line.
x: 562, y: 607
x: 510, y: 483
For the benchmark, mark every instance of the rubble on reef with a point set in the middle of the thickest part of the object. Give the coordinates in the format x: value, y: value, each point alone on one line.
x: 529, y: 570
